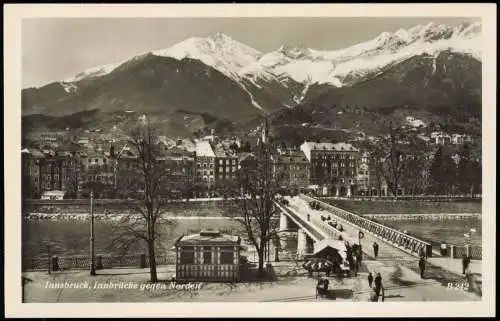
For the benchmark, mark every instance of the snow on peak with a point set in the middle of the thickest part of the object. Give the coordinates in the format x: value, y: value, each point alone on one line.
x: 218, y: 51
x: 333, y: 67
x: 240, y: 62
x: 93, y: 72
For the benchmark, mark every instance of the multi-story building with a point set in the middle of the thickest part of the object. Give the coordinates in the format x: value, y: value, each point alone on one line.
x: 31, y: 181
x: 291, y: 169
x: 363, y: 177
x: 180, y: 165
x: 48, y: 170
x: 205, y: 163
x: 333, y: 167
x: 99, y: 173
x: 226, y: 164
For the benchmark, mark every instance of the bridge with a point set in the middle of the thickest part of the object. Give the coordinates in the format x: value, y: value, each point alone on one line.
x: 313, y: 229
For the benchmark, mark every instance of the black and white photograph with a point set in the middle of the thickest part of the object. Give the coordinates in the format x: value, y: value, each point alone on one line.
x: 291, y: 159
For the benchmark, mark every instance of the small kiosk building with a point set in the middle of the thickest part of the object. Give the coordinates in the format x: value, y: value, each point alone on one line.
x: 208, y: 256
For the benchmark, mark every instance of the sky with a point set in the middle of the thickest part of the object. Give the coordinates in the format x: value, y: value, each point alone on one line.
x: 54, y: 49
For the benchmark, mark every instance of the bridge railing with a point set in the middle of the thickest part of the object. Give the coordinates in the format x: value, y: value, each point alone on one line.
x: 315, y: 234
x: 408, y: 243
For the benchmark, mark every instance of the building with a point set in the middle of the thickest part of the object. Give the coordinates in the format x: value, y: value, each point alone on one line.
x: 441, y: 138
x: 208, y: 256
x: 291, y: 169
x: 31, y: 172
x: 226, y: 164
x: 59, y: 171
x: 363, y: 177
x: 205, y: 163
x: 180, y: 167
x: 333, y: 167
x: 99, y: 176
x: 369, y: 182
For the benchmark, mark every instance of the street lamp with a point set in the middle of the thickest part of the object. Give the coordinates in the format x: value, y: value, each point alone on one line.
x: 92, y: 261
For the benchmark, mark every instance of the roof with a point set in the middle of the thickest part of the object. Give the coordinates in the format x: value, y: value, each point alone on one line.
x: 203, y: 148
x: 336, y: 244
x: 292, y: 157
x: 208, y: 237
x: 33, y: 152
x: 331, y: 146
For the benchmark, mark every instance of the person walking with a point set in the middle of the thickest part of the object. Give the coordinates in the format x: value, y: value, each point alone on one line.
x: 378, y: 283
x: 373, y: 295
x: 465, y: 263
x: 370, y: 279
x: 355, y: 263
x: 375, y: 249
x: 421, y: 265
x: 443, y: 249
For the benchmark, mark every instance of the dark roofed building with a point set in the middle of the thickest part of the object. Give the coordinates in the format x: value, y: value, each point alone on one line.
x: 208, y: 256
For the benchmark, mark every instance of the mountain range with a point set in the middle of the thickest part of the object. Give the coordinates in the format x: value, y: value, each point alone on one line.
x: 432, y: 69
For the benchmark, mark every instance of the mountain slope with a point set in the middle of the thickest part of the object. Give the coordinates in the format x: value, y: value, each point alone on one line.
x: 347, y: 66
x: 442, y: 88
x: 433, y: 68
x: 150, y: 84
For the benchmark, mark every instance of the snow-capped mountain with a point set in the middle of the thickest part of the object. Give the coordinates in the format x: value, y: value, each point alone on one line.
x: 225, y: 78
x: 355, y: 62
x: 341, y: 67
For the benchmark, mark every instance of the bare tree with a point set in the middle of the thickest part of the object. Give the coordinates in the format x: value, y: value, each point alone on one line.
x: 150, y: 189
x: 414, y: 168
x: 253, y: 194
x: 388, y: 160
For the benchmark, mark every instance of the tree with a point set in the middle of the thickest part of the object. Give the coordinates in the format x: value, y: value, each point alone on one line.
x: 442, y: 172
x: 257, y: 189
x: 151, y: 189
x: 376, y: 166
x: 414, y: 168
x: 389, y: 160
x: 468, y: 171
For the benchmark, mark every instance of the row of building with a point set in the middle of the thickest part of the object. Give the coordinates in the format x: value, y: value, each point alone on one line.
x: 333, y: 168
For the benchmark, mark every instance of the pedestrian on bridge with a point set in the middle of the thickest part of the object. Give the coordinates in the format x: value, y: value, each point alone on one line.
x: 375, y: 249
x: 378, y: 283
x: 421, y: 265
x: 370, y: 279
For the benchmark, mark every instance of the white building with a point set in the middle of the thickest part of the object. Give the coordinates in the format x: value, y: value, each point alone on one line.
x: 205, y: 162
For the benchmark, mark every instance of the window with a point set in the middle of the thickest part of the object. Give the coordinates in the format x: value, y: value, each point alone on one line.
x: 187, y: 255
x: 204, y: 165
x: 221, y: 161
x: 207, y: 255
x: 226, y: 257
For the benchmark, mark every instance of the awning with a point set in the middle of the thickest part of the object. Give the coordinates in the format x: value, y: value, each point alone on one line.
x: 335, y: 244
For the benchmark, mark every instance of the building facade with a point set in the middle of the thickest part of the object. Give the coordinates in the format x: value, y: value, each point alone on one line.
x: 208, y: 256
x: 291, y: 169
x: 226, y: 165
x: 205, y: 163
x: 333, y: 167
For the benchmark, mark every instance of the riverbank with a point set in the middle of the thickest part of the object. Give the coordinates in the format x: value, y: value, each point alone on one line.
x: 368, y: 207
